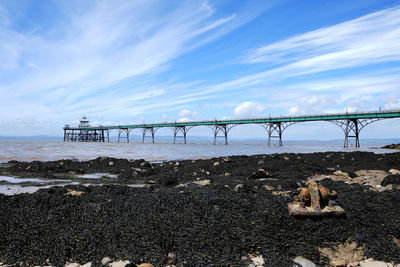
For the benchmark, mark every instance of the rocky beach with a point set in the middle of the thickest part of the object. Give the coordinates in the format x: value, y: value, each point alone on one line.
x: 228, y: 211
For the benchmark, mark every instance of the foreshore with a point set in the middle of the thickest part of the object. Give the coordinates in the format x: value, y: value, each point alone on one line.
x: 220, y: 211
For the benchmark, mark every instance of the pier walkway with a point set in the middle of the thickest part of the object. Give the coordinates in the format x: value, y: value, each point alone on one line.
x: 350, y: 123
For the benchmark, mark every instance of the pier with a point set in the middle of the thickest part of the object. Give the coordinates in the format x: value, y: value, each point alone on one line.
x: 350, y: 123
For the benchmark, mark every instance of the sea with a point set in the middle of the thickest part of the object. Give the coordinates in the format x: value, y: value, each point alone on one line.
x: 165, y: 150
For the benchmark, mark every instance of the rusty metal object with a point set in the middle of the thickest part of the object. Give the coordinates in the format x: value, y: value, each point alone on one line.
x: 315, y: 200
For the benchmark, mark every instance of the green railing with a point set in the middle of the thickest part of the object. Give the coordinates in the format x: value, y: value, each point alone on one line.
x: 321, y: 117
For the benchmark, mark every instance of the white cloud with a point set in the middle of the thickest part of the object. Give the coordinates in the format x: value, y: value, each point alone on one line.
x: 391, y: 103
x: 313, y: 104
x: 249, y: 109
x: 186, y: 115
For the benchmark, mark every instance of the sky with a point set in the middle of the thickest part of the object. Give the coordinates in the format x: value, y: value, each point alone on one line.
x: 144, y: 61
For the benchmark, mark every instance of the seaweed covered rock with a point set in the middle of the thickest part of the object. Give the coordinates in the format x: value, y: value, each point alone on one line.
x: 391, y: 179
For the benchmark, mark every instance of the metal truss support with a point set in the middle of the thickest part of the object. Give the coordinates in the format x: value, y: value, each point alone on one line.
x: 224, y: 129
x: 352, y: 129
x: 126, y: 131
x: 150, y: 130
x: 183, y: 130
x: 108, y: 131
x: 276, y: 128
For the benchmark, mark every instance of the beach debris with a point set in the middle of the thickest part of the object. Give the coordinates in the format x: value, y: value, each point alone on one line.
x: 394, y: 171
x: 303, y: 262
x: 315, y: 200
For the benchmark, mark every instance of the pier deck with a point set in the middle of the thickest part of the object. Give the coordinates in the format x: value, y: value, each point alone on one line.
x: 350, y: 123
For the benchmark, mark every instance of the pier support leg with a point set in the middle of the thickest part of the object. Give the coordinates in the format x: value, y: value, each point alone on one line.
x: 183, y: 130
x: 150, y: 130
x: 221, y: 128
x: 351, y: 128
x: 274, y: 127
x: 126, y: 131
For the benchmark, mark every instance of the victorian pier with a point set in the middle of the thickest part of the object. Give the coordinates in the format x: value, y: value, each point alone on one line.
x: 350, y: 123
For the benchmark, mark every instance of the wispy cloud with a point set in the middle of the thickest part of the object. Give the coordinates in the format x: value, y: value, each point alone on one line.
x: 369, y: 39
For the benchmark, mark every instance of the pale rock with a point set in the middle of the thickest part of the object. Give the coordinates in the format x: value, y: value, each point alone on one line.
x: 118, y: 263
x: 260, y: 162
x: 286, y: 158
x: 145, y: 265
x: 74, y: 264
x: 194, y: 173
x: 258, y: 261
x: 376, y: 264
x: 304, y: 262
x: 228, y: 174
x: 177, y: 163
x: 89, y: 264
x: 216, y: 163
x: 340, y: 173
x: 110, y: 163
x: 106, y: 260
x: 237, y: 187
x: 269, y: 187
x: 394, y: 171
x: 202, y: 182
x: 207, y: 172
x: 338, y: 263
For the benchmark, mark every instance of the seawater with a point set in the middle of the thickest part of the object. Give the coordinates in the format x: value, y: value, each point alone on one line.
x: 45, y: 150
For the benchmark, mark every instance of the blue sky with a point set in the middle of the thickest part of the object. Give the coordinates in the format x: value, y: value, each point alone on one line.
x: 156, y: 60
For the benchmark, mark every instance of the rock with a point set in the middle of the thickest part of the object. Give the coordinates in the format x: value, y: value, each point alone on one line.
x: 228, y: 174
x: 89, y: 264
x: 74, y: 192
x: 340, y: 173
x: 269, y: 187
x: 150, y: 182
x: 145, y: 265
x: 110, y: 163
x: 304, y: 262
x: 391, y: 179
x: 376, y: 264
x: 119, y: 263
x: 177, y: 163
x: 106, y: 260
x: 74, y: 264
x: 392, y: 146
x: 286, y: 158
x: 258, y: 261
x: 203, y: 182
x: 238, y: 187
x: 194, y: 173
x: 338, y: 263
x: 216, y: 163
x: 260, y: 162
x: 227, y: 159
x: 260, y: 173
x: 394, y: 171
